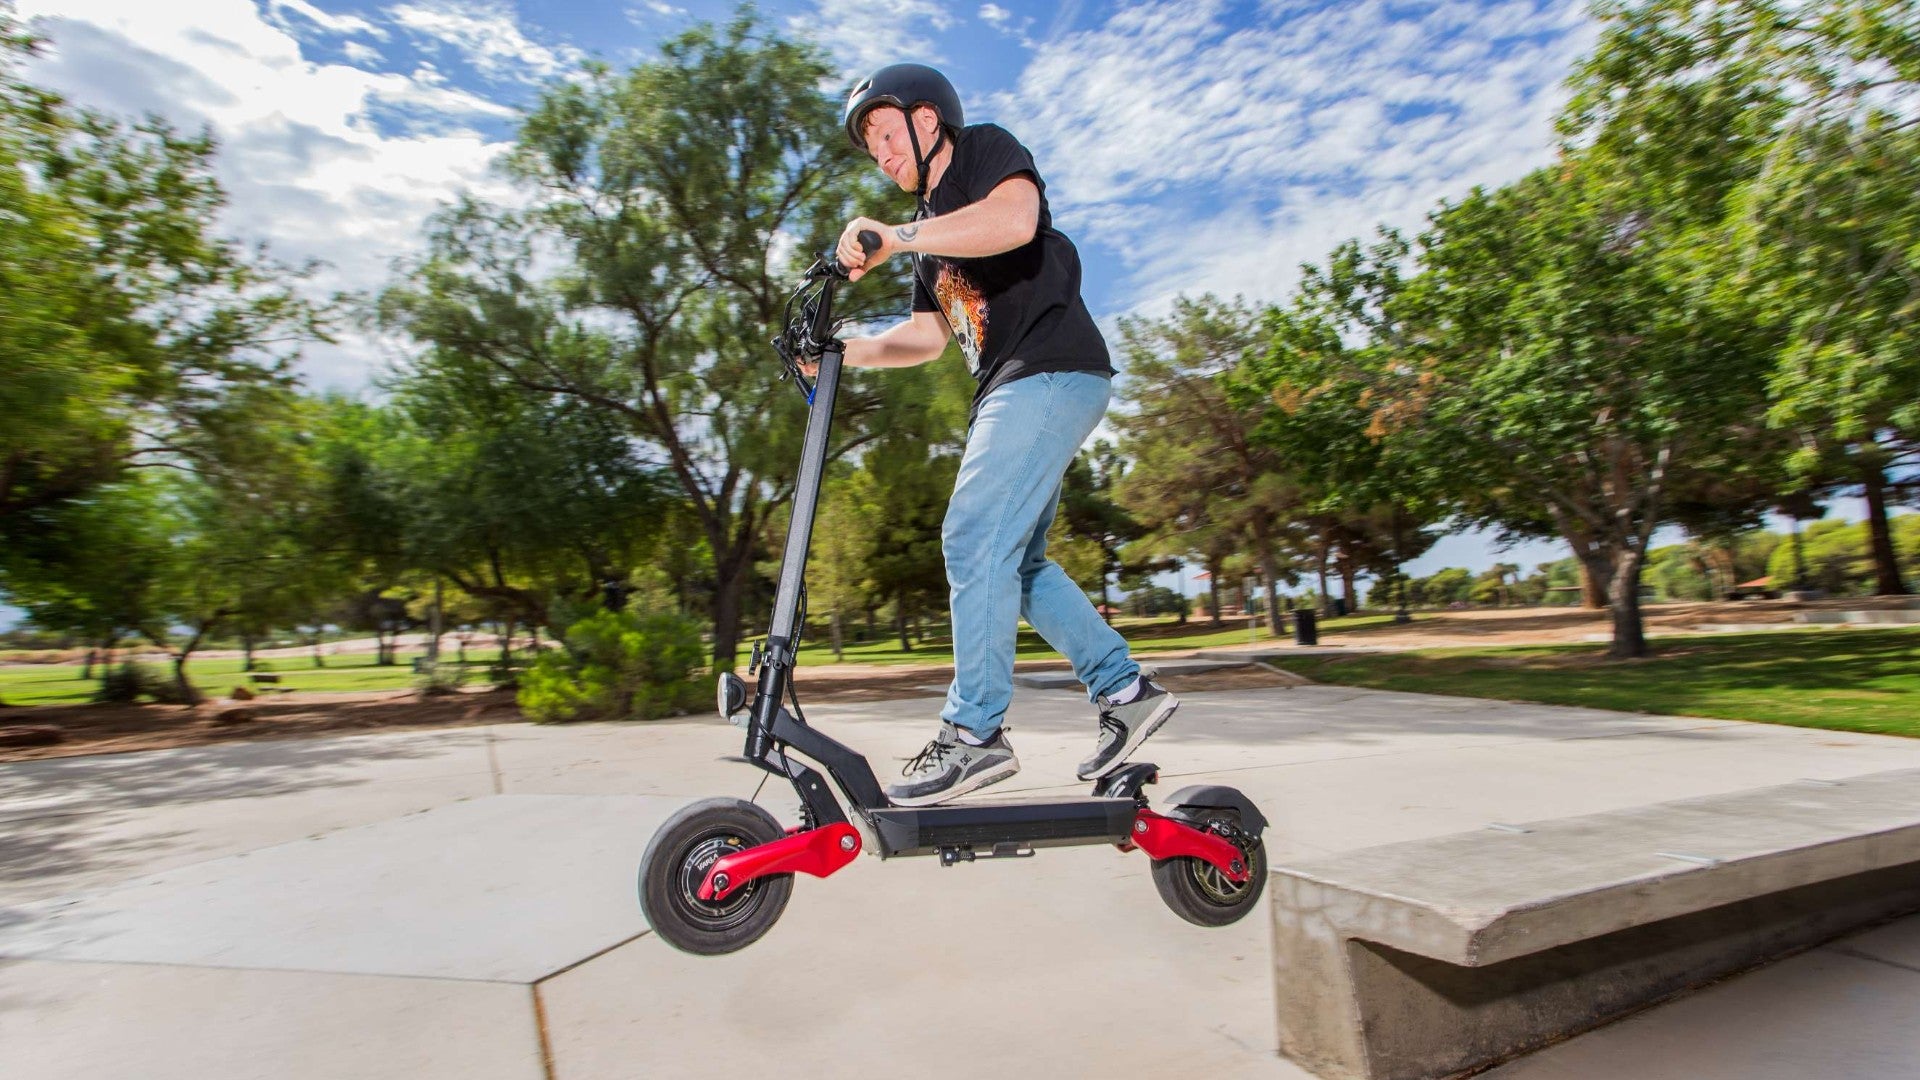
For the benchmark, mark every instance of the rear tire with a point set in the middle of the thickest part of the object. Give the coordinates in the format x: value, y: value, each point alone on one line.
x: 676, y: 862
x: 1198, y: 892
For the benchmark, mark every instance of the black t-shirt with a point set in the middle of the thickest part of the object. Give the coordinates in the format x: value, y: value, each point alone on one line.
x: 1017, y: 313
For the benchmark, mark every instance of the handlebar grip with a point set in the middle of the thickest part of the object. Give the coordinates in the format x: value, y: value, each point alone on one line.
x: 869, y: 243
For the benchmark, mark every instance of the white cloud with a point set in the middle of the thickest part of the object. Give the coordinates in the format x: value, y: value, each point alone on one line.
x: 361, y: 53
x: 1219, y: 157
x: 336, y: 24
x: 304, y: 163
x: 1002, y: 21
x: 865, y: 34
x: 489, y: 36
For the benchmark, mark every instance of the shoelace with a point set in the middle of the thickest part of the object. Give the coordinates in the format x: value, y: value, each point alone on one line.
x: 1111, y: 726
x: 935, y: 754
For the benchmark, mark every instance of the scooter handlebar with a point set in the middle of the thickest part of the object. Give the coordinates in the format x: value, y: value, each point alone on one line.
x: 869, y: 243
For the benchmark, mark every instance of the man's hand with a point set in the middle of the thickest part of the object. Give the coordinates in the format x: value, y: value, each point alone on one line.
x: 857, y: 261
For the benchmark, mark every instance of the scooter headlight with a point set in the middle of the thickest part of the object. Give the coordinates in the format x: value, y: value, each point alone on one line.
x: 730, y: 695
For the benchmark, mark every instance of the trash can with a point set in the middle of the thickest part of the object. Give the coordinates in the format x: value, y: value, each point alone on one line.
x: 1304, y: 630
x: 1339, y: 606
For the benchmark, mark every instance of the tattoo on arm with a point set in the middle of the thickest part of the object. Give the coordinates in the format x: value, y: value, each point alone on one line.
x: 906, y: 233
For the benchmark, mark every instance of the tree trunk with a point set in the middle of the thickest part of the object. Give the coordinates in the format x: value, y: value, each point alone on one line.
x: 1799, y: 559
x: 729, y: 584
x: 1886, y: 564
x: 1347, y: 574
x: 1263, y: 543
x: 246, y: 652
x: 1629, y: 634
x: 187, y: 693
x: 1594, y: 584
x: 833, y: 622
x: 1213, y: 590
x: 434, y: 627
x: 1103, y: 597
x: 319, y: 660
x: 900, y: 627
x: 1320, y: 601
x: 1596, y: 572
x: 106, y: 659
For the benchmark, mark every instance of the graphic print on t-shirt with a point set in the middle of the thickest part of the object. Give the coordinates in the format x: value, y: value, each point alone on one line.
x: 966, y: 311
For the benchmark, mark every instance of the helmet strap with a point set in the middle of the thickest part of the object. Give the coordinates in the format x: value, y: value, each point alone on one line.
x: 922, y: 205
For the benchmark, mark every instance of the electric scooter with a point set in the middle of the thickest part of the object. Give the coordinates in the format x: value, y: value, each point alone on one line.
x: 719, y: 873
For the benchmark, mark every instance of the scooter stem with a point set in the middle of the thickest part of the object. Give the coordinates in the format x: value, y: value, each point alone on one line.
x: 786, y: 602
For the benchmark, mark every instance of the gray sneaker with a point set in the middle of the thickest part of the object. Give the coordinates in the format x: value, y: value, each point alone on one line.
x: 949, y: 768
x: 1124, y: 727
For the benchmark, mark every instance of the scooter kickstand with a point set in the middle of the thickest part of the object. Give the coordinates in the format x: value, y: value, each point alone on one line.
x: 1009, y: 849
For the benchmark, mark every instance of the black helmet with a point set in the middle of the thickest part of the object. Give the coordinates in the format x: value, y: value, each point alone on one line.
x: 902, y: 86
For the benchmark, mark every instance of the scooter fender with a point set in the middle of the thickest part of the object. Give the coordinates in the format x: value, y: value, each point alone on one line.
x: 1215, y: 797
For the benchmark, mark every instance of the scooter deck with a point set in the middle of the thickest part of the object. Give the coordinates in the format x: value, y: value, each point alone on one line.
x: 1059, y: 821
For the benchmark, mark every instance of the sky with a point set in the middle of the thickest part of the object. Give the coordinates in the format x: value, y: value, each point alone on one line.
x: 1187, y: 147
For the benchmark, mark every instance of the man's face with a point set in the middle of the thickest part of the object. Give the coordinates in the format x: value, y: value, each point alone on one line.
x: 885, y: 130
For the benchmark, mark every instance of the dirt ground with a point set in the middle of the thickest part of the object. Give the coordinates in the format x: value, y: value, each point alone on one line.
x: 1549, y: 626
x: 111, y: 729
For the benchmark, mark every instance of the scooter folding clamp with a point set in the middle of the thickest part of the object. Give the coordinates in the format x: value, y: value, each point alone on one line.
x: 1167, y: 838
x: 813, y: 851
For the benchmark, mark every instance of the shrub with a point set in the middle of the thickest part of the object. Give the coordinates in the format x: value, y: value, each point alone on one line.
x: 124, y: 685
x: 617, y: 666
x: 130, y: 682
x: 435, y: 680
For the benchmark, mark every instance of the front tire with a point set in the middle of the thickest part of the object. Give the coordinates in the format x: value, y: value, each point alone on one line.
x: 1198, y: 892
x: 676, y: 862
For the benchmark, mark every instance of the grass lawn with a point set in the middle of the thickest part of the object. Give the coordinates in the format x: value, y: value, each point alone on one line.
x: 60, y: 684
x: 1144, y: 635
x: 1844, y: 679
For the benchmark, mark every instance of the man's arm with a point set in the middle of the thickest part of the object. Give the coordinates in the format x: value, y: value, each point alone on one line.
x: 1006, y: 219
x: 916, y: 341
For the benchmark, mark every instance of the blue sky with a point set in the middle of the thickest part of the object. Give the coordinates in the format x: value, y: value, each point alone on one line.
x: 1191, y: 146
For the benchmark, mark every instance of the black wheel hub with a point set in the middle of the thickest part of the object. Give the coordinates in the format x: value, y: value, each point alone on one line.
x: 701, y: 855
x: 1214, y: 885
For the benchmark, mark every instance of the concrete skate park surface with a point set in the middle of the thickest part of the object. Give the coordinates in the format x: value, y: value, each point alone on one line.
x: 461, y: 904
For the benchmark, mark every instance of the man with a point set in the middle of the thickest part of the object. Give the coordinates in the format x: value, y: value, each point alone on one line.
x: 992, y: 272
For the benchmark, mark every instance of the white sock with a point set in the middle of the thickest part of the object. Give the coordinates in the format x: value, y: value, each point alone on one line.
x: 1128, y: 693
x: 968, y: 737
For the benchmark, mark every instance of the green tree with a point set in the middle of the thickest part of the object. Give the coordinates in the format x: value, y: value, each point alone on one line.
x: 1585, y: 371
x: 673, y: 191
x: 1343, y: 388
x: 1093, y: 515
x: 1199, y: 483
x: 842, y: 546
x: 134, y: 336
x: 96, y: 565
x: 1453, y: 585
x: 1824, y: 228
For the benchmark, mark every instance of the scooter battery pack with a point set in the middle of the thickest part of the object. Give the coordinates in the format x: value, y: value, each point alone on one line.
x: 925, y: 830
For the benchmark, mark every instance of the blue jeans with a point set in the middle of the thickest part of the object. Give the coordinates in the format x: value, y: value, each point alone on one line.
x: 995, y: 540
